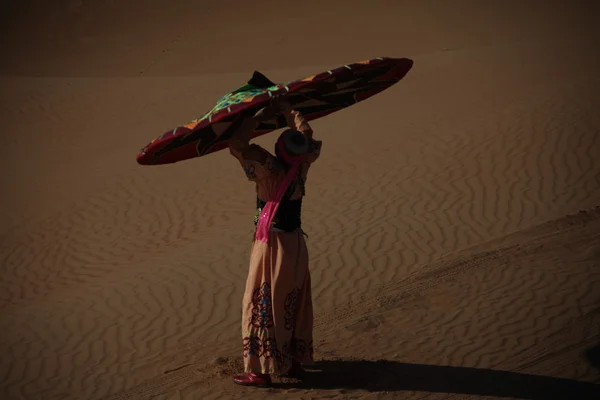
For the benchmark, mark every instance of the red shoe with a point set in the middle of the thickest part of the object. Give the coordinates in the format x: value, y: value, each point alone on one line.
x: 252, y: 379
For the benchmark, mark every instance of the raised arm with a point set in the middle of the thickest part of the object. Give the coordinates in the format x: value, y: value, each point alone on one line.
x: 240, y: 139
x: 296, y: 120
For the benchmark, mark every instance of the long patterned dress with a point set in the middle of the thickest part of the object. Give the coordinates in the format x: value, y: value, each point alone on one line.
x: 277, y: 312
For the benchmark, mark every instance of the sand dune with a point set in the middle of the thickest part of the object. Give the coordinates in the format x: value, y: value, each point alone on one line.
x: 440, y: 250
x: 519, y: 311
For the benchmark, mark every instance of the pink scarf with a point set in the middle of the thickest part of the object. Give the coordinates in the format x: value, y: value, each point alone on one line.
x: 270, y: 209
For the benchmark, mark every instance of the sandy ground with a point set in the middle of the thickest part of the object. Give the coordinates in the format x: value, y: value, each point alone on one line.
x: 453, y: 225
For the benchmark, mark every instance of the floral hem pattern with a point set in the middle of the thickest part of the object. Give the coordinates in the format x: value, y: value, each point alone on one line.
x: 277, y: 313
x: 273, y: 359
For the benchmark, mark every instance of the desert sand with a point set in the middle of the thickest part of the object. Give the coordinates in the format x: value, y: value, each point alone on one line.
x: 453, y: 220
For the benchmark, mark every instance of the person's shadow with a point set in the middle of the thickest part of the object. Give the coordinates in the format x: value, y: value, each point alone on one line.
x: 593, y: 356
x: 393, y: 376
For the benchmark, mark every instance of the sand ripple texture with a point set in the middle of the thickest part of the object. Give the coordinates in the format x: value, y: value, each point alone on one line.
x: 515, y: 317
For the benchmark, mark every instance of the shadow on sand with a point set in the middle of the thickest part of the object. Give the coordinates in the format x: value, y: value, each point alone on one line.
x: 593, y: 356
x: 393, y: 376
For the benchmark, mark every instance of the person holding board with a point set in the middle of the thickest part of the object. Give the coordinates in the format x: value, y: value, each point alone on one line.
x: 277, y: 312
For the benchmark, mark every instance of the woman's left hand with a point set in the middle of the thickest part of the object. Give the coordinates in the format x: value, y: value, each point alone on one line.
x: 268, y: 112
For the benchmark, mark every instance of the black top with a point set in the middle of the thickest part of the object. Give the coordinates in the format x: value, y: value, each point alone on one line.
x: 288, y: 215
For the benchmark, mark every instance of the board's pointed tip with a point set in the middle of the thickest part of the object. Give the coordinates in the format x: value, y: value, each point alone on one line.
x: 142, y: 159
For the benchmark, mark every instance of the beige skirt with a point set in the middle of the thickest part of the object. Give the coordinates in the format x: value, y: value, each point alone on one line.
x: 277, y: 313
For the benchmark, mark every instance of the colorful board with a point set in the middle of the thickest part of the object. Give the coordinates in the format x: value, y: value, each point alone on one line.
x: 315, y: 97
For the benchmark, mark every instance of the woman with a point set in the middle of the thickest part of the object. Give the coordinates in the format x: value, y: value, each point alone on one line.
x: 277, y: 314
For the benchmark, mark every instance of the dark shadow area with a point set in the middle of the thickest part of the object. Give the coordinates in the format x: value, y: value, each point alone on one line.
x: 393, y: 376
x: 593, y: 356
